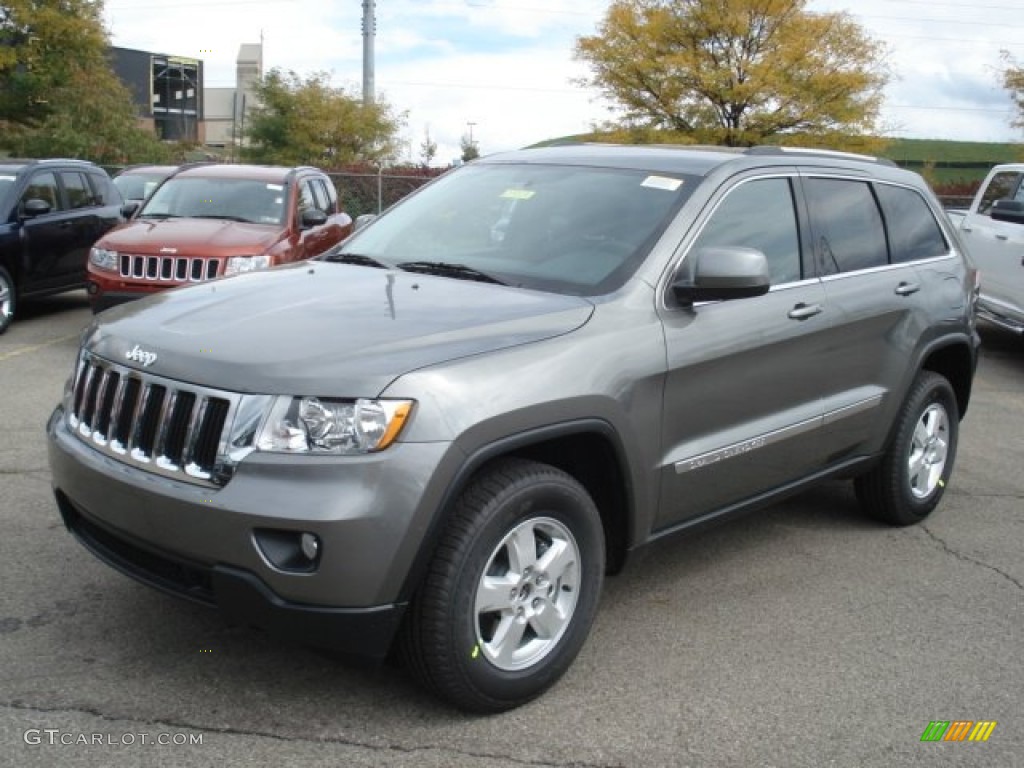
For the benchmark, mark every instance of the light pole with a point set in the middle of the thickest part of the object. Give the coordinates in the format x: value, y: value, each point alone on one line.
x: 471, y: 133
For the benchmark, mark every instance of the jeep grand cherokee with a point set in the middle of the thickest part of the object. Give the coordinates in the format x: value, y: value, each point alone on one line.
x: 441, y: 436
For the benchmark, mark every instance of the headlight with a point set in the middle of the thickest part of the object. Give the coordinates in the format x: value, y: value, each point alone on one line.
x: 346, y: 427
x: 101, y: 258
x: 238, y: 265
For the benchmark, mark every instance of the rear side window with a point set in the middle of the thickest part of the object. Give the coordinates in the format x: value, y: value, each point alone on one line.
x: 104, y: 190
x: 913, y: 231
x: 847, y: 225
x: 320, y: 193
x: 77, y: 189
x: 759, y: 214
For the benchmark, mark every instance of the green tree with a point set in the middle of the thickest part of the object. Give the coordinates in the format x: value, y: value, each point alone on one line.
x: 428, y: 149
x: 307, y: 121
x: 470, y: 150
x: 58, y: 93
x: 736, y: 72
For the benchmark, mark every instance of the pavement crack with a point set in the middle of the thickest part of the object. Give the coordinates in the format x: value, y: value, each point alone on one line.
x: 229, y: 731
x: 968, y: 559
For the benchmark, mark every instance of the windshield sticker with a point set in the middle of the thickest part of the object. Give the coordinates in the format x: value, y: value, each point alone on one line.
x: 275, y: 187
x: 518, y: 194
x: 7, y: 178
x: 662, y: 182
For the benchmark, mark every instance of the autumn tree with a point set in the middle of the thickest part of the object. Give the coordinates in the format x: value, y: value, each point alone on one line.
x: 58, y: 92
x: 736, y: 72
x: 300, y: 121
x: 1013, y: 81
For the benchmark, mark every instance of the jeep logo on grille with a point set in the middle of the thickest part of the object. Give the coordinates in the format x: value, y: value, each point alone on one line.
x: 138, y: 355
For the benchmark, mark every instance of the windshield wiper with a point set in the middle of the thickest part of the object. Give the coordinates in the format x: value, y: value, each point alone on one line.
x: 225, y: 217
x: 354, y: 258
x: 158, y: 216
x: 459, y: 271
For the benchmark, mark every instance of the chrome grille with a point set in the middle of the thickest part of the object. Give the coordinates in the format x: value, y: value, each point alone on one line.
x: 179, y: 269
x: 157, y: 424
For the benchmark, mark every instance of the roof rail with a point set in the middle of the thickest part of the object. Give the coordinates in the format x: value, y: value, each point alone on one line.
x: 770, y: 149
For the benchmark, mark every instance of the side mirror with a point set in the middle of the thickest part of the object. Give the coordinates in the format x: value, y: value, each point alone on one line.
x: 363, y: 220
x: 128, y: 209
x: 35, y: 207
x: 313, y: 217
x: 723, y: 273
x: 1008, y: 210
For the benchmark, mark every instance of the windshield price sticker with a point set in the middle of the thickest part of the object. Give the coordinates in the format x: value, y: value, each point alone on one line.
x: 518, y: 194
x: 662, y: 182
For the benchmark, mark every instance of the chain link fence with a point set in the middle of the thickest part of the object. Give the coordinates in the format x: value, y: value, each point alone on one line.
x: 361, y: 193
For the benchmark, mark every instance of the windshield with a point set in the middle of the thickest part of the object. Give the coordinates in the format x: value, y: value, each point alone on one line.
x: 138, y: 186
x: 569, y: 229
x: 257, y: 202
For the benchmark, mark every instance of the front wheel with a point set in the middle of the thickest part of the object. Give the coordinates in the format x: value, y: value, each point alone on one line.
x: 8, y: 298
x: 911, y: 478
x: 512, y: 591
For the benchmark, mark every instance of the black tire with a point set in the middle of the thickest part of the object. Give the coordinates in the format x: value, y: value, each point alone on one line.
x: 469, y: 651
x: 8, y: 299
x: 912, y: 476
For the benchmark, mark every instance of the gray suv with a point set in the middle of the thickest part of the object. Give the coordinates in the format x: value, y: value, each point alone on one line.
x: 437, y: 439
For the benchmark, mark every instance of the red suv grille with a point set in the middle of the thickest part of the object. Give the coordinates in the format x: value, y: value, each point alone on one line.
x: 169, y: 268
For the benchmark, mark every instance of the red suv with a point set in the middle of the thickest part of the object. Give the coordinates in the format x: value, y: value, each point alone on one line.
x: 211, y: 221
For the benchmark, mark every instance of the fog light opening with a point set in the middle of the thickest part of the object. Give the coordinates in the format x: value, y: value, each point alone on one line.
x: 291, y: 551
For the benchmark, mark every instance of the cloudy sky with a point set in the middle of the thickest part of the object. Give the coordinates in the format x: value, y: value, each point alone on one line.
x: 506, y: 66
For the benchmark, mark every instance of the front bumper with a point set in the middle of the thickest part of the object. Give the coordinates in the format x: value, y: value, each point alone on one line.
x: 203, y: 544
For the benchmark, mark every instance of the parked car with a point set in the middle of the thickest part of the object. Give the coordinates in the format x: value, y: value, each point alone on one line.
x: 51, y: 211
x: 993, y: 231
x: 439, y: 437
x: 210, y: 220
x: 137, y: 182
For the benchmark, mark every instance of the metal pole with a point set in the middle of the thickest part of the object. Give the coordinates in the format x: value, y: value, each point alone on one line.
x: 369, y: 32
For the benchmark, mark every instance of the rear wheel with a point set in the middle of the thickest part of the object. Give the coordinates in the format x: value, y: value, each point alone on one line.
x: 512, y: 591
x: 909, y: 482
x: 8, y: 299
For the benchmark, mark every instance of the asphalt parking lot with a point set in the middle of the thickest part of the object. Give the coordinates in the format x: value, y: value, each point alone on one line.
x: 803, y: 635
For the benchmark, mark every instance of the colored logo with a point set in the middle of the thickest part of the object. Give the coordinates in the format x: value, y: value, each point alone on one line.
x: 958, y: 730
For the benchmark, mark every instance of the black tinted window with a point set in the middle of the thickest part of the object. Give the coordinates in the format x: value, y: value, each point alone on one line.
x: 913, y: 231
x: 759, y: 214
x: 1003, y: 185
x: 77, y: 189
x: 847, y: 225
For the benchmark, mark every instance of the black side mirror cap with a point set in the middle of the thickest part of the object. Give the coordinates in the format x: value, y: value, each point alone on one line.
x: 313, y: 217
x: 35, y: 207
x: 128, y: 209
x: 1008, y: 210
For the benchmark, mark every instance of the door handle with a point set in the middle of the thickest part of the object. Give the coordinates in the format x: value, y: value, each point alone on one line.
x: 803, y: 311
x: 905, y: 289
x: 1002, y: 237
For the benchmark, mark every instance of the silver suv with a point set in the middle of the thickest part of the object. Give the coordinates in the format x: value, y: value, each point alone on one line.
x: 440, y: 437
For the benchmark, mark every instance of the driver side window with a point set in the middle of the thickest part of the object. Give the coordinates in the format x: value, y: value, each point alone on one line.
x: 42, y: 186
x: 759, y: 214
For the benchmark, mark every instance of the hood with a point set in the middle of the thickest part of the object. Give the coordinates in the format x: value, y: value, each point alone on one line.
x: 192, y: 237
x: 324, y: 329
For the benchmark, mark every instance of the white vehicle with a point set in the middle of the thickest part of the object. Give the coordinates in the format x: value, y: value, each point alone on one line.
x: 993, y: 231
